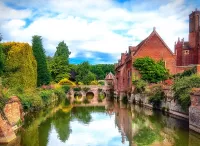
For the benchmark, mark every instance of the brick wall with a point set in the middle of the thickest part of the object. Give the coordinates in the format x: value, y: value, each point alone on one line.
x: 12, y: 114
x: 154, y: 48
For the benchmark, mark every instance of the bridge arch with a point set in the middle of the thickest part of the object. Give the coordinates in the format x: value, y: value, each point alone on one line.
x: 90, y: 95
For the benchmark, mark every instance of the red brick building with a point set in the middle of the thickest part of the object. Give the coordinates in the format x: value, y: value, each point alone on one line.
x: 154, y: 47
x: 187, y: 54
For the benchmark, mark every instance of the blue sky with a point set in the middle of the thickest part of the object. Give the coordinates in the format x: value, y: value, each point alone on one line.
x: 97, y: 31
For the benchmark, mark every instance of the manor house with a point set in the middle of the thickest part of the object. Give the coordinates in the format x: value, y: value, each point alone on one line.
x: 185, y: 56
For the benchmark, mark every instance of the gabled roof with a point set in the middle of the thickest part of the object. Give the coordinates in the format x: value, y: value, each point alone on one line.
x: 110, y: 76
x: 147, y: 39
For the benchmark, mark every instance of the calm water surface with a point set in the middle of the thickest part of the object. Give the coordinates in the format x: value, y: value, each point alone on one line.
x: 112, y: 125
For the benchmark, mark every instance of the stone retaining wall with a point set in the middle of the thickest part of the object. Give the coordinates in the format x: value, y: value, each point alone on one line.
x: 10, y: 119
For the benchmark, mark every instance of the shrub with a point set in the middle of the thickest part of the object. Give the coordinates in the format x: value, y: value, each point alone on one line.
x: 156, y: 96
x: 95, y: 82
x: 186, y: 73
x: 151, y: 70
x: 139, y: 86
x: 46, y: 96
x: 60, y: 93
x: 77, y: 89
x: 20, y: 65
x: 182, y: 88
x: 85, y: 89
x: 66, y: 88
x: 80, y: 83
x: 101, y: 83
x: 66, y: 81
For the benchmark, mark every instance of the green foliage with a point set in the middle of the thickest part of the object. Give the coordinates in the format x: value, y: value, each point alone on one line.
x: 182, y: 88
x: 156, y: 96
x: 20, y: 65
x: 43, y: 75
x: 66, y: 88
x: 101, y: 83
x: 95, y: 82
x: 150, y: 70
x: 77, y: 89
x: 139, y: 86
x: 60, y: 93
x: 83, y: 73
x: 186, y: 73
x: 59, y: 65
x: 66, y: 81
x: 145, y: 136
x: 100, y: 70
x: 85, y: 89
x: 46, y: 96
x: 62, y: 51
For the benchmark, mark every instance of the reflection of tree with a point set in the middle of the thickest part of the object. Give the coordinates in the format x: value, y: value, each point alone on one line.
x: 44, y: 130
x: 61, y: 122
x: 83, y: 114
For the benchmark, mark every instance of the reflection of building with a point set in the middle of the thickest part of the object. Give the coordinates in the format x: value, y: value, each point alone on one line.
x: 124, y: 122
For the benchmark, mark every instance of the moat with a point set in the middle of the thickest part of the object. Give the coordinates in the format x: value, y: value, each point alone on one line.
x: 115, y: 124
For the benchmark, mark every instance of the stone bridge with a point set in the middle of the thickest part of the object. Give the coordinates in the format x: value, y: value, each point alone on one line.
x: 91, y: 92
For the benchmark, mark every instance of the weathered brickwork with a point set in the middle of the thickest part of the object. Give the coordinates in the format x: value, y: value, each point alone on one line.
x: 9, y: 119
x: 189, y: 52
x: 13, y: 111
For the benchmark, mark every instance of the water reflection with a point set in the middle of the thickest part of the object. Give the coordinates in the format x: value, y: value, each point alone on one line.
x: 116, y: 124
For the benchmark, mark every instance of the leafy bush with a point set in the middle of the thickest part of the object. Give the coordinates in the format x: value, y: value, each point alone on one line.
x: 150, y: 70
x: 156, y: 96
x: 182, y: 88
x: 85, y: 89
x: 20, y: 65
x: 60, y: 93
x: 95, y: 82
x: 46, y: 96
x: 80, y: 83
x: 186, y: 73
x: 101, y: 83
x: 66, y: 81
x: 139, y: 86
x: 77, y: 89
x: 66, y: 88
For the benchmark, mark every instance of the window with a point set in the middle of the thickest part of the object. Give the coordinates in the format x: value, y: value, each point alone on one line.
x: 186, y: 52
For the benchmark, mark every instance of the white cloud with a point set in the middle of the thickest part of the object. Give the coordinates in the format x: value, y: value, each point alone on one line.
x: 88, y: 25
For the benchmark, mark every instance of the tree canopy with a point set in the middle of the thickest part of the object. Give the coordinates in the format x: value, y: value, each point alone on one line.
x: 84, y: 74
x: 151, y: 70
x: 43, y: 75
x: 59, y: 65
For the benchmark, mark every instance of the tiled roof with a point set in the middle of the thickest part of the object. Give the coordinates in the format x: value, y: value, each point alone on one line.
x: 110, y: 76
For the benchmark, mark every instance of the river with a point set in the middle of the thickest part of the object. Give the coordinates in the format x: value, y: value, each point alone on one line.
x: 115, y: 124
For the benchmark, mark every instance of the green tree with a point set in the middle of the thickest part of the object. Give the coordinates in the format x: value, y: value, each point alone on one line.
x: 43, y: 76
x: 84, y: 74
x: 151, y: 70
x: 59, y: 66
x: 100, y: 70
